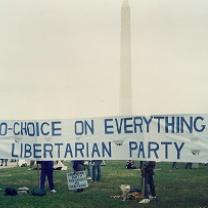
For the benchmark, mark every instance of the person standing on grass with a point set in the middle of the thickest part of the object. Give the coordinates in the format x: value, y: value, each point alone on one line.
x: 174, y: 166
x: 188, y: 165
x: 47, y: 171
x: 89, y: 170
x: 4, y: 161
x: 147, y: 172
x: 78, y: 165
x: 96, y: 170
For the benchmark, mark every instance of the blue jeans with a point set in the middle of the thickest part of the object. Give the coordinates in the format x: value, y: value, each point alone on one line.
x: 96, y: 172
x: 89, y: 169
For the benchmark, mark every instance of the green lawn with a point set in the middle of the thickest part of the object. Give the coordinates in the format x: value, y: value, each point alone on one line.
x: 178, y: 188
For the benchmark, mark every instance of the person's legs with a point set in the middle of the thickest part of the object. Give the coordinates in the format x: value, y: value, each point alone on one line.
x: 93, y: 172
x: 188, y: 165
x: 151, y: 185
x: 42, y: 179
x: 140, y: 164
x: 98, y: 172
x: 146, y: 199
x: 89, y: 170
x: 50, y: 179
x: 146, y: 182
x: 174, y: 165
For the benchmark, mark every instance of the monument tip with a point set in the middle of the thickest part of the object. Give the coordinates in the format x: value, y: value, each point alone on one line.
x: 125, y: 4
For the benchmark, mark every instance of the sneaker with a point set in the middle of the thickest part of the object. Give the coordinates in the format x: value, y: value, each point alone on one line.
x: 152, y: 197
x: 144, y: 201
x: 53, y: 191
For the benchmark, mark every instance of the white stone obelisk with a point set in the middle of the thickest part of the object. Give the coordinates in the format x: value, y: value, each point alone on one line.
x: 125, y: 61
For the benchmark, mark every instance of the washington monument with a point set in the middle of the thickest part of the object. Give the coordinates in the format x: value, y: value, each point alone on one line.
x: 125, y: 61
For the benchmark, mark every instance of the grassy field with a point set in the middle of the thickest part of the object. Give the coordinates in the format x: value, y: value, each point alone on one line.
x: 178, y: 188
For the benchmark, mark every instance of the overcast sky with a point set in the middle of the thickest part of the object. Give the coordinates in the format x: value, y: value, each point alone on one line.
x: 60, y: 58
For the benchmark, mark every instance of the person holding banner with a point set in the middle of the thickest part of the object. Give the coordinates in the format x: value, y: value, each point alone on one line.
x: 47, y: 171
x: 147, y: 172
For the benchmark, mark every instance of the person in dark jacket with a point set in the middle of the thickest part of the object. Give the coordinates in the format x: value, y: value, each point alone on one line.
x: 147, y: 176
x: 47, y: 171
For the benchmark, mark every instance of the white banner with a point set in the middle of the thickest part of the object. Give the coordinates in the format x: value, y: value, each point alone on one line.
x: 180, y: 138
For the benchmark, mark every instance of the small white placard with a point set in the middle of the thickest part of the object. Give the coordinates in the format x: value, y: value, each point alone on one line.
x: 77, y: 180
